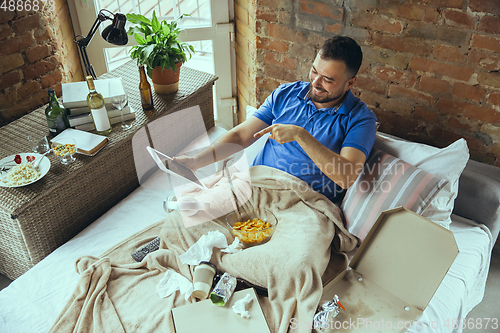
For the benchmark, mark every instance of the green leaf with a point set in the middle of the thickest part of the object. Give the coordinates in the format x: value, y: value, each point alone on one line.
x: 139, y: 39
x: 138, y: 19
x: 166, y: 29
x: 150, y: 72
x: 155, y: 23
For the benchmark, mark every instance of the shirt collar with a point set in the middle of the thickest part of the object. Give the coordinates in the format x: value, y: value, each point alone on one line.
x: 344, y: 107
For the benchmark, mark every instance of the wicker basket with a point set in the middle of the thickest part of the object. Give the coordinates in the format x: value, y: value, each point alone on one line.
x: 38, y: 218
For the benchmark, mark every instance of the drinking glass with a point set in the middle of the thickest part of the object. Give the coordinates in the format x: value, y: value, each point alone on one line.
x: 65, y: 149
x: 119, y: 99
x: 38, y: 142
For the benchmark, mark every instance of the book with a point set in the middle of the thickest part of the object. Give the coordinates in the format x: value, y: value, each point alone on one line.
x: 85, y: 118
x: 86, y: 143
x: 85, y: 109
x: 74, y: 94
x: 113, y: 120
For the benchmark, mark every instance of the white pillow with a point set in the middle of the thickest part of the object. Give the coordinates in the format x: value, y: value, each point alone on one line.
x: 448, y: 163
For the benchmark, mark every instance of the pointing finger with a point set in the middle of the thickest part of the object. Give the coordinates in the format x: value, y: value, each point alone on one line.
x: 268, y: 129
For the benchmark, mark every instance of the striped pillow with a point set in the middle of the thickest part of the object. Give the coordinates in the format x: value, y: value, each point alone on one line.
x: 386, y: 182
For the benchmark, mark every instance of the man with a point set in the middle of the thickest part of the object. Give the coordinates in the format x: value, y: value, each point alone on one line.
x: 318, y: 130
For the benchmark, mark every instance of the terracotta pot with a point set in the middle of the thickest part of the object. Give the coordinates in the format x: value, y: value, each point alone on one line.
x: 166, y: 81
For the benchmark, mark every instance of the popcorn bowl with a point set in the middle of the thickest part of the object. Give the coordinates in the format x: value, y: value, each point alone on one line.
x: 252, y: 226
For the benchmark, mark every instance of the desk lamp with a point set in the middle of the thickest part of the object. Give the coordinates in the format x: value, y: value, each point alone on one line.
x: 114, y: 33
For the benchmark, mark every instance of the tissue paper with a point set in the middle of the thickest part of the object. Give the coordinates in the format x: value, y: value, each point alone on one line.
x: 173, y: 281
x: 239, y: 306
x: 203, y: 248
x: 236, y: 246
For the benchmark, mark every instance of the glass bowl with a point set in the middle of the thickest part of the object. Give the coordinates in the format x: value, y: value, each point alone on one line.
x: 65, y: 149
x: 252, y: 237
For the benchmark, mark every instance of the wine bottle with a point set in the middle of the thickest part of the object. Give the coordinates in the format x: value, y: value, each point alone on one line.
x: 145, y: 90
x: 95, y: 101
x: 56, y: 114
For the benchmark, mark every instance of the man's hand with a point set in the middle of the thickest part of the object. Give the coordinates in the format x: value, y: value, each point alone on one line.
x: 187, y: 161
x: 281, y: 133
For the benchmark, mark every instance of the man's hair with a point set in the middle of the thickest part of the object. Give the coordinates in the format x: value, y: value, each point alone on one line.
x: 344, y: 49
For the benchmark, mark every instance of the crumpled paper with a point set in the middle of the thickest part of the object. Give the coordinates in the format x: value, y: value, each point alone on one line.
x: 239, y: 306
x: 173, y: 281
x: 236, y: 246
x: 202, y: 250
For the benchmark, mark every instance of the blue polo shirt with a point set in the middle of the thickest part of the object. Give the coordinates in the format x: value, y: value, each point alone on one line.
x: 351, y: 125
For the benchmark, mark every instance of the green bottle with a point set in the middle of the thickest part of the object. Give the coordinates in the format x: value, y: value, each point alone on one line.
x: 56, y: 115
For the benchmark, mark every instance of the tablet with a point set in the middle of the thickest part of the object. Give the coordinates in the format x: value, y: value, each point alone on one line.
x: 167, y: 164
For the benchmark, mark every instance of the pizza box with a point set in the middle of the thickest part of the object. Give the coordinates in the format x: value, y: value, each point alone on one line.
x: 393, y: 275
x: 204, y: 316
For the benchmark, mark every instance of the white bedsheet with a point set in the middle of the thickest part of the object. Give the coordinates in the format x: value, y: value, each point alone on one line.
x: 32, y: 302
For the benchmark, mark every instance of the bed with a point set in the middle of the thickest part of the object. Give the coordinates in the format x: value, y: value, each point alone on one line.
x: 34, y: 301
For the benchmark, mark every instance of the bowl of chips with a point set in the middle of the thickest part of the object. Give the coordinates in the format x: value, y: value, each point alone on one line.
x: 252, y: 226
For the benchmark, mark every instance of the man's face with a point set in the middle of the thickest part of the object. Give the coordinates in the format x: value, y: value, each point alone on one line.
x: 329, y: 82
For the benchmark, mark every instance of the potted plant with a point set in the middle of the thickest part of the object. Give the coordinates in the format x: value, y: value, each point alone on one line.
x: 160, y: 49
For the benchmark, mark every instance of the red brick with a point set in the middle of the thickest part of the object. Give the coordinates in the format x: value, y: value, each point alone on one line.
x: 409, y: 45
x: 267, y: 14
x: 26, y: 24
x: 15, y: 44
x: 482, y: 60
x: 447, y: 53
x: 433, y: 32
x: 447, y: 106
x: 280, y: 60
x: 425, y: 115
x: 267, y: 44
x: 459, y: 19
x: 367, y: 83
x: 445, y: 3
x: 10, y: 79
x: 277, y: 73
x: 50, y: 80
x: 267, y: 83
x: 335, y: 27
x: 455, y: 123
x: 411, y: 11
x: 5, y: 31
x: 378, y: 23
x: 494, y: 98
x: 9, y: 98
x: 413, y: 96
x: 431, y: 66
x: 392, y: 75
x: 490, y: 24
x: 28, y: 89
x: 6, y: 16
x: 38, y: 52
x: 486, y: 42
x: 38, y: 69
x: 280, y: 32
x: 485, y: 6
x: 468, y: 92
x: 433, y: 85
x: 489, y: 79
x: 321, y: 9
x: 11, y: 62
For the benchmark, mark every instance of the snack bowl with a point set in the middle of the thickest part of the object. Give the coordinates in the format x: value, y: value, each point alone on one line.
x: 252, y: 226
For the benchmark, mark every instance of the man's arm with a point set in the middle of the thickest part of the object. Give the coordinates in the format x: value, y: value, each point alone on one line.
x: 229, y: 143
x: 341, y: 168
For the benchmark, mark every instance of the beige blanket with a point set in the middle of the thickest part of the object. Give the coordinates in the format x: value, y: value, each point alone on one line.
x: 115, y: 294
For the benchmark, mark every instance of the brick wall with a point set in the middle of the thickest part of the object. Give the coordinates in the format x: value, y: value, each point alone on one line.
x: 36, y: 53
x: 430, y: 69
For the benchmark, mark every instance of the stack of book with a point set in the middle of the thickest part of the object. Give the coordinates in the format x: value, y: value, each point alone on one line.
x: 74, y: 96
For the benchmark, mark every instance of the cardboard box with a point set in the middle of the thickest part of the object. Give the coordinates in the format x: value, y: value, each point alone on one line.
x: 393, y: 275
x: 204, y: 316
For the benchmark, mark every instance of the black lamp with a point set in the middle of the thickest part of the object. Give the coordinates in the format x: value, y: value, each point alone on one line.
x: 114, y: 33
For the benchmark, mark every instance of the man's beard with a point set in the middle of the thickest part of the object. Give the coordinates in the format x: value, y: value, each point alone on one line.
x: 325, y: 99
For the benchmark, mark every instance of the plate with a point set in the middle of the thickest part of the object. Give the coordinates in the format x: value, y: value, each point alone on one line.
x: 8, y: 163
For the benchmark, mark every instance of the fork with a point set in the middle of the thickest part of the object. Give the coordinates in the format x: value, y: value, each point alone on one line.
x: 37, y: 161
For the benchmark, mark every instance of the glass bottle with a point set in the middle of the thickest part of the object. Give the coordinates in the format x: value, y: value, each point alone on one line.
x: 145, y: 90
x: 56, y: 114
x: 95, y: 101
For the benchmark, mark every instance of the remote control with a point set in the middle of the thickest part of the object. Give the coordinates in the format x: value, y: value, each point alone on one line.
x: 148, y: 248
